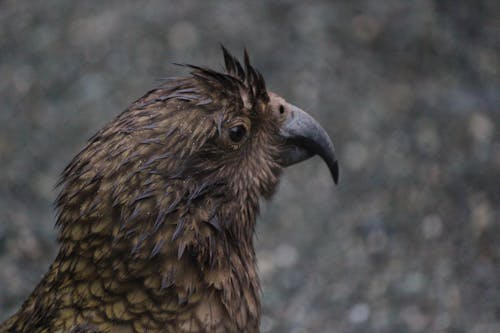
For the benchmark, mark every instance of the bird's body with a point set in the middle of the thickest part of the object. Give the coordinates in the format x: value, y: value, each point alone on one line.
x: 157, y: 213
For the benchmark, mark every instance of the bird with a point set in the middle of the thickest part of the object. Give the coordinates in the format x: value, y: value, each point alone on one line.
x: 156, y: 214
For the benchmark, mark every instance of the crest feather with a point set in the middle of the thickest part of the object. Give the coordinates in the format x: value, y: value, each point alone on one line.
x: 237, y: 78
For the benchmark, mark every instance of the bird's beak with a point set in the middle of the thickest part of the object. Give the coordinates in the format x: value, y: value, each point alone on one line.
x: 304, y: 138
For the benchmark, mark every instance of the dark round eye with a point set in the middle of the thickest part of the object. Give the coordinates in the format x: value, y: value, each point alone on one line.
x: 237, y: 133
x: 282, y: 109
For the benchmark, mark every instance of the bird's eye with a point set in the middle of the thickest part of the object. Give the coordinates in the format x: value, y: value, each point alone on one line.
x: 237, y: 133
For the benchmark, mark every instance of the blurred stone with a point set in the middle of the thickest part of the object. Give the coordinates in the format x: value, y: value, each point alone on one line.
x: 434, y: 174
x: 299, y: 330
x: 44, y: 185
x: 453, y: 297
x: 412, y: 283
x: 95, y: 28
x: 266, y: 264
x: 481, y: 127
x: 359, y: 313
x: 481, y: 212
x: 4, y: 147
x: 489, y: 62
x: 414, y: 318
x: 381, y: 319
x: 356, y: 256
x: 182, y: 35
x: 496, y: 156
x: 340, y: 292
x: 427, y: 137
x: 377, y: 287
x: 305, y: 86
x: 267, y: 324
x: 491, y: 327
x: 355, y: 155
x: 442, y: 322
x: 11, y: 277
x: 30, y: 245
x: 399, y: 96
x: 44, y: 37
x: 443, y: 269
x: 376, y: 241
x: 23, y: 79
x: 432, y: 226
x: 365, y: 27
x: 310, y: 26
x: 285, y: 255
x: 92, y: 86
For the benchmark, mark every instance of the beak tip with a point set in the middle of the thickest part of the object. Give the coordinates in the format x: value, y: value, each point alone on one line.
x: 335, y: 172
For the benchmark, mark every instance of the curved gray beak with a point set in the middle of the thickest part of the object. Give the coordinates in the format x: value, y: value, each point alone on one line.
x: 304, y: 138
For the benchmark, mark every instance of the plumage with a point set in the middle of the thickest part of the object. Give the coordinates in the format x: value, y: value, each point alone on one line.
x: 156, y: 214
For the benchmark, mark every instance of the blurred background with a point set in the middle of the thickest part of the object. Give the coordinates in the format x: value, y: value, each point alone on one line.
x: 409, y: 90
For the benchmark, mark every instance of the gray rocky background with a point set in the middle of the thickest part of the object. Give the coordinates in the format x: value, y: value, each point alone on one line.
x: 409, y: 90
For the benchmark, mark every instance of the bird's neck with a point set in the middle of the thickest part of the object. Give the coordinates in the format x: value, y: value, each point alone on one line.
x: 194, y: 268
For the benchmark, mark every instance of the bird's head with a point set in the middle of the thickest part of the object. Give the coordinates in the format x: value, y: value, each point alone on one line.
x: 247, y: 134
x: 203, y: 148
